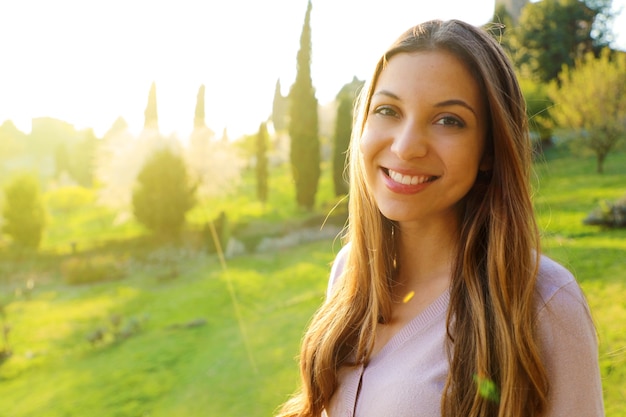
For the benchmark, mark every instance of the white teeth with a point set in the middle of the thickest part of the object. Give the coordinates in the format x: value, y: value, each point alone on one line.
x: 407, y: 179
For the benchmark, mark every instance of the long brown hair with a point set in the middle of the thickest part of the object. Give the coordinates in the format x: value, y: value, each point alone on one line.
x: 491, y: 338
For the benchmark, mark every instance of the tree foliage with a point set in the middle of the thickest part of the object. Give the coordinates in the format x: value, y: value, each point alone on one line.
x: 84, y: 158
x: 61, y: 161
x: 303, y: 124
x: 120, y: 157
x: 163, y: 194
x: 24, y: 212
x: 198, y: 120
x: 343, y: 130
x: 601, y: 31
x: 78, y: 161
x: 280, y: 106
x: 151, y: 115
x: 591, y: 100
x: 538, y: 104
x: 214, y: 164
x: 552, y: 33
x: 11, y: 140
x: 502, y: 28
x: 262, y: 140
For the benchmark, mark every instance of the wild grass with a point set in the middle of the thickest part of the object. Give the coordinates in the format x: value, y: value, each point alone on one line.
x: 190, y: 355
x: 568, y: 190
x: 166, y: 368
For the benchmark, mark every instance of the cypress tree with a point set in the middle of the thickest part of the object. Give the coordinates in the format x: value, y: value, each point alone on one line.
x: 303, y: 124
x: 225, y: 138
x: 279, y: 109
x: 343, y: 131
x: 261, y: 163
x: 151, y: 117
x: 198, y: 120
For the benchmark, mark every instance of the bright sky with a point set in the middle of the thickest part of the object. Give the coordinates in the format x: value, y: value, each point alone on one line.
x: 90, y: 61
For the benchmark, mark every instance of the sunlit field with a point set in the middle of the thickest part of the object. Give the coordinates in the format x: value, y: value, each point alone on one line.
x: 170, y: 338
x: 568, y: 190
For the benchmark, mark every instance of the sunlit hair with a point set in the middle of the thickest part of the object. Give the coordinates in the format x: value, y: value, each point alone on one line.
x: 491, y: 335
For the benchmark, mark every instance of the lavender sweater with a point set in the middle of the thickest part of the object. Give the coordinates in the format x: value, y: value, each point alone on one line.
x: 406, y: 377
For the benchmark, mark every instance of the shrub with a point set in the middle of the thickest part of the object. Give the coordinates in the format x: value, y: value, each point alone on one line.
x: 608, y: 214
x: 78, y: 270
x: 69, y: 198
x: 163, y: 195
x: 5, y: 349
x: 24, y: 212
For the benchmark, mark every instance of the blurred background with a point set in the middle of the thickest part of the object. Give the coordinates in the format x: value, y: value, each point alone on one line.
x: 172, y: 187
x: 90, y: 62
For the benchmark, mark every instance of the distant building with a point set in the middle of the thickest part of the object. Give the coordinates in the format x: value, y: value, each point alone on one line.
x: 513, y: 7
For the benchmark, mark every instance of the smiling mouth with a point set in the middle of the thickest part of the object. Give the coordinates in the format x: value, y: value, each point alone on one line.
x: 408, y: 179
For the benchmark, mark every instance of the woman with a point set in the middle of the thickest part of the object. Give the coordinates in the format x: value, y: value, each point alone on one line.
x: 440, y: 303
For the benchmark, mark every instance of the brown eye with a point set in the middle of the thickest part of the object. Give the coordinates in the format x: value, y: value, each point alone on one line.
x: 386, y: 111
x: 450, y: 121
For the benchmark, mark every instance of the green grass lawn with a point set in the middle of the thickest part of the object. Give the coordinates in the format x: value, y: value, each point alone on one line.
x: 166, y: 369
x: 190, y: 355
x: 568, y: 190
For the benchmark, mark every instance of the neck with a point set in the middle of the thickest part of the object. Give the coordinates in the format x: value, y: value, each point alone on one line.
x: 425, y: 254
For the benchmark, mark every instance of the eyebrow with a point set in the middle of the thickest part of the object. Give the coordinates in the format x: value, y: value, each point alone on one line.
x: 451, y: 102
x: 386, y: 93
x: 457, y: 102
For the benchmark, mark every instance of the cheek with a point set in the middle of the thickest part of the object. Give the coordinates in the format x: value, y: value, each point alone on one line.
x: 370, y: 143
x: 367, y: 159
x: 365, y: 143
x: 462, y: 161
x: 365, y: 155
x: 471, y: 154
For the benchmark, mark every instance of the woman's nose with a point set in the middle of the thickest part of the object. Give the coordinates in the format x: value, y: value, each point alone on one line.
x: 410, y: 142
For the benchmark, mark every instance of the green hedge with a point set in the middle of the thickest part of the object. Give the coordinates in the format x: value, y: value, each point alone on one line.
x: 85, y: 270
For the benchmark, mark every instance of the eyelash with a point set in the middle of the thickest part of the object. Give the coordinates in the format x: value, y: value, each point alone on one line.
x: 385, y: 111
x: 451, y: 121
x: 446, y: 121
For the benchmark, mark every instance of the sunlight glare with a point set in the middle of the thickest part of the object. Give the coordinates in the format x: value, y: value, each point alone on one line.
x: 88, y: 63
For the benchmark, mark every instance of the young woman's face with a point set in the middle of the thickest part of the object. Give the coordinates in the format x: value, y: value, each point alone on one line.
x: 424, y: 137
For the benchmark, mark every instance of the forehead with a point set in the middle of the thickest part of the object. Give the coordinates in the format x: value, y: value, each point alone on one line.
x: 428, y: 73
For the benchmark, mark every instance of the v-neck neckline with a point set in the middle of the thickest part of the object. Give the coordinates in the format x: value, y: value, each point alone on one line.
x: 417, y: 324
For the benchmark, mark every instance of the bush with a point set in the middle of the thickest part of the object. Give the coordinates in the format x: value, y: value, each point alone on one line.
x: 163, y: 195
x: 69, y: 198
x: 5, y: 328
x: 92, y: 269
x: 24, y: 213
x: 608, y: 214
